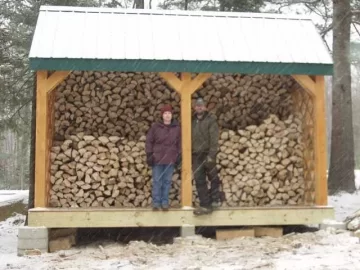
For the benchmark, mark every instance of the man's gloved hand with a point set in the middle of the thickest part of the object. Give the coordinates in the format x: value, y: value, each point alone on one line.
x: 149, y: 159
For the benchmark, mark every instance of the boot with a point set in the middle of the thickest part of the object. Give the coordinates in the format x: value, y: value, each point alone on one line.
x: 215, y: 204
x: 202, y: 211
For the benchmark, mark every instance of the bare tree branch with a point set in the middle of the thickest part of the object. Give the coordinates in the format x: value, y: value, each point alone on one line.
x: 18, y: 111
x: 357, y: 31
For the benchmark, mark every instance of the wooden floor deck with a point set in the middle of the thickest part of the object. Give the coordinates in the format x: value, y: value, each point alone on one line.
x: 141, y: 217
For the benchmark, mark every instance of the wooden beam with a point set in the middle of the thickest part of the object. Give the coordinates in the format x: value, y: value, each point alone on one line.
x: 185, y: 76
x: 172, y: 80
x: 41, y: 153
x: 199, y: 80
x: 321, y: 187
x: 135, y: 217
x: 56, y: 78
x: 44, y: 127
x: 307, y: 83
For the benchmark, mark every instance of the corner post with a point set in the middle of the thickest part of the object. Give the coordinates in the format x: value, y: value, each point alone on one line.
x: 321, y: 186
x: 44, y: 85
x: 41, y: 156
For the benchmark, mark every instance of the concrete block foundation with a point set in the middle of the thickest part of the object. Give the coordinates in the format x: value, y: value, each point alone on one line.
x: 32, y: 238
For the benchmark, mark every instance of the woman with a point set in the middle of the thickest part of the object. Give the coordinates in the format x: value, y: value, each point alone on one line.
x: 163, y: 152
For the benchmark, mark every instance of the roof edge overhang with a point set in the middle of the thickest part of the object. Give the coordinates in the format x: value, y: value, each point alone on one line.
x: 127, y: 65
x: 174, y: 12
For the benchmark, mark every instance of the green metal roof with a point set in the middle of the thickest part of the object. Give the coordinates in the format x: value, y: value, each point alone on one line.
x: 71, y: 38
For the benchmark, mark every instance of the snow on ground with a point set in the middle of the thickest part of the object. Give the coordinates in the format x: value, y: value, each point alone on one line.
x: 346, y: 204
x: 319, y: 250
x: 12, y: 196
x: 328, y: 250
x: 357, y: 179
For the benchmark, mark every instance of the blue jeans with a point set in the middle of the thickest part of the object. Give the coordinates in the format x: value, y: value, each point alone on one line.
x: 162, y: 176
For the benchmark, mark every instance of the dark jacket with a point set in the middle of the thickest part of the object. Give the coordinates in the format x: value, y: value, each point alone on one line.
x: 163, y: 143
x: 205, y: 135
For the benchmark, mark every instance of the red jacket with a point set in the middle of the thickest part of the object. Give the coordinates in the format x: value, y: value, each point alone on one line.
x: 163, y: 143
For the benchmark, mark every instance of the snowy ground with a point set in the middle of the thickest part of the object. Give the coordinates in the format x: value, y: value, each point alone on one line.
x: 12, y: 196
x: 345, y: 204
x: 318, y: 250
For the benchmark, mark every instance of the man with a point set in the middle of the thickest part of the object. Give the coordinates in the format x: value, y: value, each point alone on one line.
x: 205, y: 134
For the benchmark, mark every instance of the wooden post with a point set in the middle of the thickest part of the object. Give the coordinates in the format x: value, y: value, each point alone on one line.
x: 185, y: 87
x: 41, y: 139
x: 321, y: 188
x: 316, y: 89
x: 44, y: 85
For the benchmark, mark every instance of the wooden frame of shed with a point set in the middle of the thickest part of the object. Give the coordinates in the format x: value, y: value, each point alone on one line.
x: 309, y: 75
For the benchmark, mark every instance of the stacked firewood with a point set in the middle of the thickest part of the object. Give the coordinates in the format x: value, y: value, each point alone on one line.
x: 126, y: 104
x: 263, y: 164
x: 101, y: 119
x: 104, y: 171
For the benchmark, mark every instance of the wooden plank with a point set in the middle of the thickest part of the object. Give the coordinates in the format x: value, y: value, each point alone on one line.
x: 41, y: 157
x: 268, y: 231
x: 252, y: 216
x: 321, y: 188
x: 307, y: 83
x: 227, y: 234
x: 172, y: 80
x: 56, y: 78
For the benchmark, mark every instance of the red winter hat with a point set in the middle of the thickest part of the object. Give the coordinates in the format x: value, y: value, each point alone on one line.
x: 166, y: 108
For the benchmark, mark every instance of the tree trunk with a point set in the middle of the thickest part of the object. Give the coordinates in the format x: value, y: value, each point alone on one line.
x: 140, y: 4
x: 186, y: 4
x: 342, y: 165
x: 32, y: 152
x: 222, y: 6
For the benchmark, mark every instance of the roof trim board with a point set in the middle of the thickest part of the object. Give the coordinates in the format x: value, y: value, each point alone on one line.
x: 127, y: 65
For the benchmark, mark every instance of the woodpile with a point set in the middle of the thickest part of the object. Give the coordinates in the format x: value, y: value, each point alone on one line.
x: 104, y: 171
x: 110, y: 104
x: 101, y: 118
x: 262, y: 165
x: 126, y: 104
x: 239, y: 101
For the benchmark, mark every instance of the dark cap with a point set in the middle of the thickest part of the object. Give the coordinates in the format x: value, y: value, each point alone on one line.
x: 200, y: 102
